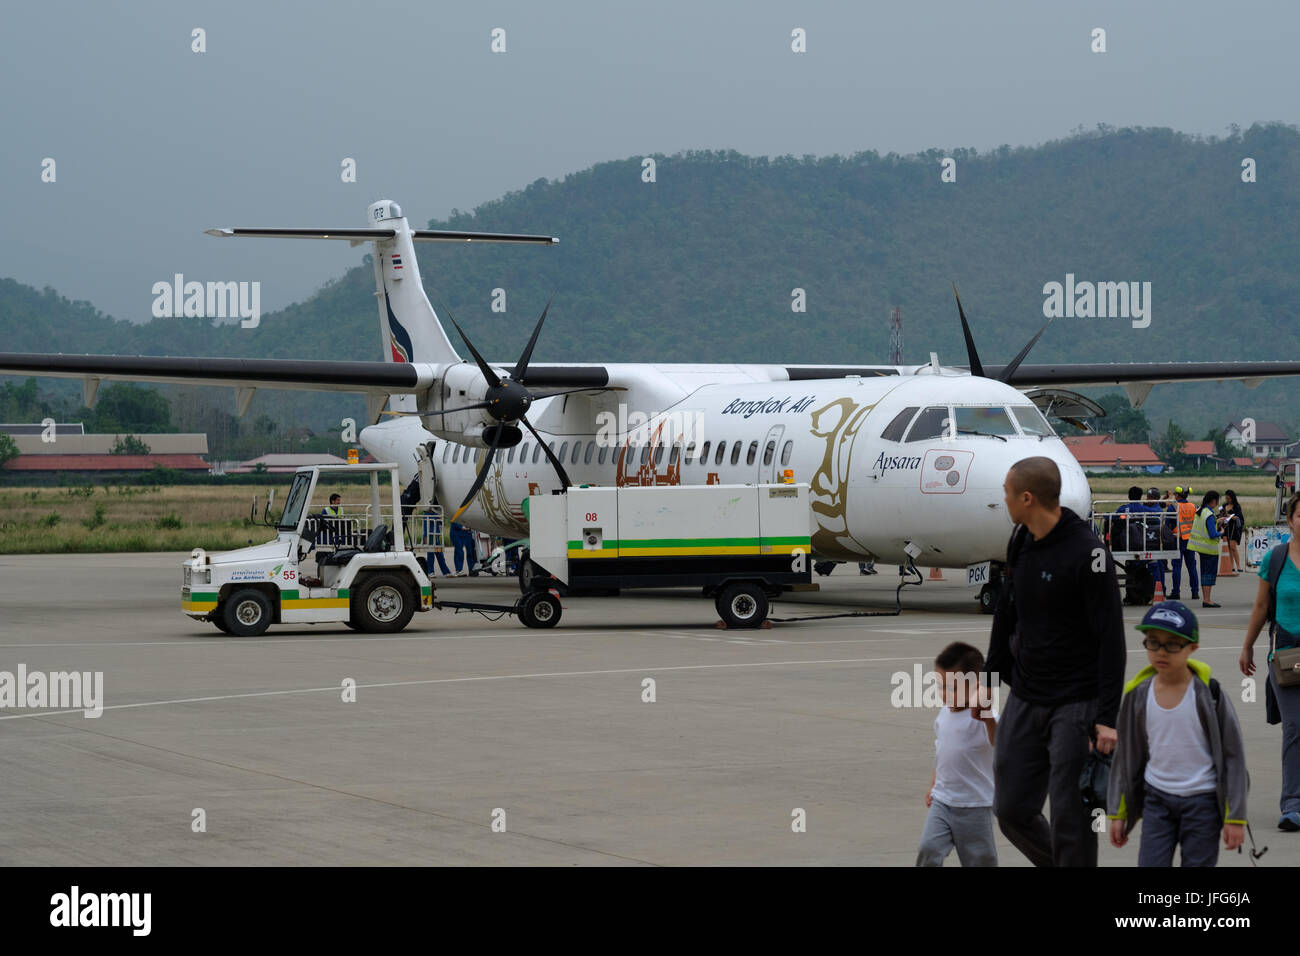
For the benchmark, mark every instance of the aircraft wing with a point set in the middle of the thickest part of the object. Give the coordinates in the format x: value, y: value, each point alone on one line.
x: 1144, y: 373
x: 375, y: 380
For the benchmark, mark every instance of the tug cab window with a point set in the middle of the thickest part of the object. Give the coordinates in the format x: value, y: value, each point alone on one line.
x: 934, y: 422
x: 895, y: 429
x: 985, y: 420
x: 1031, y: 421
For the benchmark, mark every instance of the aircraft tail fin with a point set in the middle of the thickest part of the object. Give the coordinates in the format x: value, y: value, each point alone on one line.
x: 409, y: 327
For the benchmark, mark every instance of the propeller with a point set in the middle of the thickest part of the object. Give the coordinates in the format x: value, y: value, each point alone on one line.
x: 507, y: 400
x: 976, y: 368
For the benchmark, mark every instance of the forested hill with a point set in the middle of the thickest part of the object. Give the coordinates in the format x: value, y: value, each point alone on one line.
x: 700, y: 264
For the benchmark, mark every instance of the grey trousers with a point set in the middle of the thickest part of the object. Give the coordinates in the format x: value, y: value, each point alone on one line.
x: 1040, y: 752
x: 1170, y: 821
x: 1288, y: 702
x: 969, y: 829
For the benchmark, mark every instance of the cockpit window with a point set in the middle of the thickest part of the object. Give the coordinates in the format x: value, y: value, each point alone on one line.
x: 934, y: 422
x: 1031, y: 420
x: 989, y: 420
x: 895, y: 429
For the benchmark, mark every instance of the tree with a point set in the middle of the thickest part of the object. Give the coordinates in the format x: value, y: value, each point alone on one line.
x: 129, y: 445
x: 1129, y: 424
x: 1222, y: 447
x: 8, y: 449
x: 130, y: 408
x: 1169, y: 446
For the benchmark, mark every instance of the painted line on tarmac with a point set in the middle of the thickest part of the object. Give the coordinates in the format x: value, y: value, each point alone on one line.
x: 336, y: 688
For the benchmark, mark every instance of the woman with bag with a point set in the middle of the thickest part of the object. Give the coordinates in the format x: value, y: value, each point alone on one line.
x: 1278, y: 603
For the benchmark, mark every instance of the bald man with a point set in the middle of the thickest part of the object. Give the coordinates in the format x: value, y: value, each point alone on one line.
x: 1058, y: 640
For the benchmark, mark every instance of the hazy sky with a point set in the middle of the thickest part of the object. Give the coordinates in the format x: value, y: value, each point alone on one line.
x: 155, y: 143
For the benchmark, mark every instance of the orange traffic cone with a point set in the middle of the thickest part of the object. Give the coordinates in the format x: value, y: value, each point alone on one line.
x: 1226, y: 569
x: 936, y: 574
x: 1160, y: 593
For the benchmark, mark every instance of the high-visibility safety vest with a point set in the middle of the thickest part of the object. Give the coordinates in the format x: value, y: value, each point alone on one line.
x: 1201, y: 540
x: 1186, y: 514
x: 333, y: 512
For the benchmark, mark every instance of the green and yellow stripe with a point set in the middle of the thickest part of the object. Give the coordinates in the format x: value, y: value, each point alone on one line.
x: 655, y: 547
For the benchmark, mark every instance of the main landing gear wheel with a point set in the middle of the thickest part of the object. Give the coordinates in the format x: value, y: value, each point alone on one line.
x: 539, y: 609
x: 742, y: 605
x: 246, y: 613
x: 383, y: 604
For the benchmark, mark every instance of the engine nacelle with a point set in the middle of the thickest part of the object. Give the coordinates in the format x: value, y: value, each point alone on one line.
x: 460, y: 385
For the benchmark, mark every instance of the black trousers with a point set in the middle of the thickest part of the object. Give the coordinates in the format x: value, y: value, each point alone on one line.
x: 1040, y: 753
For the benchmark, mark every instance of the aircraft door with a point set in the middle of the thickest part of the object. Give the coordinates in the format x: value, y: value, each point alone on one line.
x: 769, y: 460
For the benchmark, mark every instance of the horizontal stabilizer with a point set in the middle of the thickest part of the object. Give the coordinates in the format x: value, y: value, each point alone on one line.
x: 365, y: 235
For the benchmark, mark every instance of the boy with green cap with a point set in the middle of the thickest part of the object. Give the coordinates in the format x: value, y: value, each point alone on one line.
x: 1180, y: 762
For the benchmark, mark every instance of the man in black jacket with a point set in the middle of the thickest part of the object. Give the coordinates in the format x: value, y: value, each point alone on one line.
x: 1058, y: 641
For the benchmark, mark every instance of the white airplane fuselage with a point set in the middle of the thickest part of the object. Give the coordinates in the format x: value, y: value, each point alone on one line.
x: 872, y: 493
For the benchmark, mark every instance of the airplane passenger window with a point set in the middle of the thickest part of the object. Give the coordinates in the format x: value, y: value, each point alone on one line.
x: 564, y: 447
x: 523, y: 453
x: 786, y: 449
x: 510, y: 455
x: 752, y: 454
x: 768, y: 452
x: 989, y: 420
x: 704, y: 453
x: 1031, y: 420
x: 446, y: 450
x: 601, y: 456
x: 659, y: 455
x: 934, y: 422
x: 722, y: 447
x: 676, y: 453
x: 591, y: 450
x: 455, y: 454
x: 894, y: 430
x: 690, y: 453
x: 577, y: 450
x: 645, y: 454
x: 537, y: 452
x: 735, y: 453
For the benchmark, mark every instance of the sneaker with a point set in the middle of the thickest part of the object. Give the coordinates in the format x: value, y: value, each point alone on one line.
x: 1207, y: 604
x: 1173, y: 597
x: 1290, y: 822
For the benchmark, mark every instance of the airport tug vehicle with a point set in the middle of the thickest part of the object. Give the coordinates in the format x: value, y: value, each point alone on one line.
x: 741, y: 544
x: 350, y: 565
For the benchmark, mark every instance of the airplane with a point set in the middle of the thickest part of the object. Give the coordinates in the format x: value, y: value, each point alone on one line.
x: 904, y: 462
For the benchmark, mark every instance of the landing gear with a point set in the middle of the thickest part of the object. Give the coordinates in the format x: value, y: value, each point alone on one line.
x: 991, y: 592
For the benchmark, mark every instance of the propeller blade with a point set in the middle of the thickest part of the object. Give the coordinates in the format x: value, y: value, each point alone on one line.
x: 1015, y: 362
x: 479, y: 478
x: 975, y: 367
x: 559, y: 468
x: 522, y: 366
x: 492, y: 378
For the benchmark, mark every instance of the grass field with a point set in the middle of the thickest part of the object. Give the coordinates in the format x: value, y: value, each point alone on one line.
x: 179, y: 518
x: 131, y: 518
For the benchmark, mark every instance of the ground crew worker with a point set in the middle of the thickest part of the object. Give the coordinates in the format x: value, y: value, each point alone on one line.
x: 1204, y: 541
x: 1186, y: 515
x: 331, y: 521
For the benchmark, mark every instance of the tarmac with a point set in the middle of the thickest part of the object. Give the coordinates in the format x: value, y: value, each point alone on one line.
x: 478, y: 742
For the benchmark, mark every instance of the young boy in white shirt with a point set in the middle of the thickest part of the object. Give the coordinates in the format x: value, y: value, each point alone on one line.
x: 1180, y: 764
x: 960, y: 797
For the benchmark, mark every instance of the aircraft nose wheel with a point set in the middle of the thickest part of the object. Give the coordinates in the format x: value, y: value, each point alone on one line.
x: 989, y: 598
